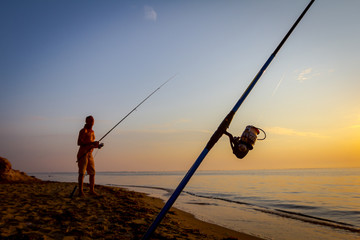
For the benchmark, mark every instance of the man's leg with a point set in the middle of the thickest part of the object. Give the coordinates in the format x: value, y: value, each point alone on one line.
x: 91, y: 171
x: 81, y: 181
x: 92, y: 184
x: 82, y: 164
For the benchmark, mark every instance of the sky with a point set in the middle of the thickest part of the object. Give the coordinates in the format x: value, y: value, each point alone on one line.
x: 61, y: 61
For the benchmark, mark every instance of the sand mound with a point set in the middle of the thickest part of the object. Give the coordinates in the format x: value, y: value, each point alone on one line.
x: 8, y: 175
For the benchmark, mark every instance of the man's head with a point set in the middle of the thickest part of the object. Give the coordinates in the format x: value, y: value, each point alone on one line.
x: 89, y: 122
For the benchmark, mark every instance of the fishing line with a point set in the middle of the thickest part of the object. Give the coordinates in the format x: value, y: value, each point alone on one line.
x: 278, y: 85
x: 96, y: 152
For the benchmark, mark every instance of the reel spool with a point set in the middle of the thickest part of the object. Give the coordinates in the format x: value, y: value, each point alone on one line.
x: 242, y: 145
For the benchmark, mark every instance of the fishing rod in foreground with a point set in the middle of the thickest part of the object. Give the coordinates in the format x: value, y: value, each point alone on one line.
x: 219, y: 132
x: 101, y: 144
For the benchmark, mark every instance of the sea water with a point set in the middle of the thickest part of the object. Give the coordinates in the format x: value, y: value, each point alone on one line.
x: 273, y: 204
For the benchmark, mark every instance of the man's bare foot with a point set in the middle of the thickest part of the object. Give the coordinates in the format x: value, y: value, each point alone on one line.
x: 81, y: 194
x: 94, y: 193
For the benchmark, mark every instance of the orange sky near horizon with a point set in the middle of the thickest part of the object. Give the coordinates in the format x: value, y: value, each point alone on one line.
x: 63, y: 62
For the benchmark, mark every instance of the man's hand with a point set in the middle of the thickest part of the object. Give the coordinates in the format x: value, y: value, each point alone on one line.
x: 95, y: 144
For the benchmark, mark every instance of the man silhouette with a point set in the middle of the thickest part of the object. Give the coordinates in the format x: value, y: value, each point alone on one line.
x: 87, y: 143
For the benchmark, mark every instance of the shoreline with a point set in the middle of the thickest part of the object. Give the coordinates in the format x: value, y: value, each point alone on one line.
x: 44, y: 210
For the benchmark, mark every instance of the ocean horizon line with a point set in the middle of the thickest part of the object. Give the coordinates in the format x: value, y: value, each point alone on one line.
x: 184, y: 171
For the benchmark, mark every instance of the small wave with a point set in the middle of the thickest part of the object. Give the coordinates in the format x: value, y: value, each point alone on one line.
x: 167, y: 190
x: 342, y: 213
x: 311, y: 219
x: 218, y: 198
x: 292, y: 206
x: 203, y: 203
x: 317, y: 218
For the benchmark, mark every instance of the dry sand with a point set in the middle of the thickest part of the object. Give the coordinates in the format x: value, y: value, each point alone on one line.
x: 44, y: 210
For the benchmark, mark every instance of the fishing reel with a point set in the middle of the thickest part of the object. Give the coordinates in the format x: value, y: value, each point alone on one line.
x: 242, y: 145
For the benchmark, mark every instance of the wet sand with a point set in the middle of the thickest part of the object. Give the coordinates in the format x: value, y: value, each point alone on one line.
x: 44, y: 210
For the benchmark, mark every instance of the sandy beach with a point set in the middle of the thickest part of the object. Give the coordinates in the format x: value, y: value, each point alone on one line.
x: 44, y: 210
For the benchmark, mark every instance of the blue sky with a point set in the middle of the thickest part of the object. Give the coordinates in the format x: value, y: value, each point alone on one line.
x: 64, y: 60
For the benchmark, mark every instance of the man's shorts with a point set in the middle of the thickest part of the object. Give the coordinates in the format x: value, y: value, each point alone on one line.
x: 87, y: 164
